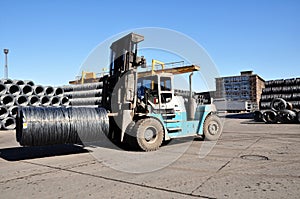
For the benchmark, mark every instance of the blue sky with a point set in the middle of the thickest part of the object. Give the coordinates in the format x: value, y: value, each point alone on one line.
x: 49, y: 40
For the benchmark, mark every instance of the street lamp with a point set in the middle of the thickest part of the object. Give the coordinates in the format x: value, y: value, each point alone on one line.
x: 6, y: 68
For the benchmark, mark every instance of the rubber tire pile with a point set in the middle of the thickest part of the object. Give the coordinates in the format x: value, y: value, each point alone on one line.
x: 23, y: 93
x: 281, y: 112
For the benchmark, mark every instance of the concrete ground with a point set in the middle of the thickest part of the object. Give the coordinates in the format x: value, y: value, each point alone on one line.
x: 251, y: 160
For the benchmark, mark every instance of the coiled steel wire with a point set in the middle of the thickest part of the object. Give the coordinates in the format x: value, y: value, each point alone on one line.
x: 7, y: 100
x: 13, y: 89
x: 86, y: 101
x: 58, y: 91
x: 21, y: 100
x: 3, y: 89
x: 59, y: 125
x: 13, y: 110
x: 84, y: 94
x: 33, y: 100
x: 29, y: 82
x: 3, y: 112
x: 26, y: 89
x: 6, y: 81
x: 8, y: 123
x: 38, y: 90
x: 49, y: 90
x: 83, y: 87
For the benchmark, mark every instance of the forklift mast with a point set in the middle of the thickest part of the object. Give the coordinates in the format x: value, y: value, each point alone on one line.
x: 124, y: 54
x: 123, y: 59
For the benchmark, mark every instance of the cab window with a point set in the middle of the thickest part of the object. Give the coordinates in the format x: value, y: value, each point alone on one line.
x: 165, y: 84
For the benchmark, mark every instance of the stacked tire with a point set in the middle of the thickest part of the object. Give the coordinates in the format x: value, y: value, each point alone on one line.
x: 20, y: 93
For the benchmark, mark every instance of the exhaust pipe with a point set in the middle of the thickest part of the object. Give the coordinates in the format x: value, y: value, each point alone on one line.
x: 9, y: 123
x: 26, y: 89
x: 45, y: 101
x: 33, y: 100
x: 49, y: 90
x: 14, y: 89
x: 7, y: 100
x: 38, y: 90
x: 21, y: 100
x: 54, y: 101
x: 3, y: 112
x: 13, y: 111
x: 191, y: 105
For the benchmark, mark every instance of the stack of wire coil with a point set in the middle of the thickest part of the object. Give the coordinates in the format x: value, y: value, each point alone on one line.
x: 88, y: 94
x: 23, y: 93
x: 280, y: 102
x: 280, y: 112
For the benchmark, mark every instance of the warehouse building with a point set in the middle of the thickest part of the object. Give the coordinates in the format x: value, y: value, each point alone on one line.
x: 246, y: 87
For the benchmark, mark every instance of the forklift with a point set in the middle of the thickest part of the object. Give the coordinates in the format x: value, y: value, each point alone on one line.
x: 144, y: 108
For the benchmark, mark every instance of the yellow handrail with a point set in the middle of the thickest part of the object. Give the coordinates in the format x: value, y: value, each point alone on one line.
x: 84, y: 74
x: 154, y: 62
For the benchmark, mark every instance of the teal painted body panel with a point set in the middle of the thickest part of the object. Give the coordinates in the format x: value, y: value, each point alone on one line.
x: 187, y: 128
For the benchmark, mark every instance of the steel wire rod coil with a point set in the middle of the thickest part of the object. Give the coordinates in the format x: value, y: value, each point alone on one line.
x: 82, y: 87
x: 36, y: 126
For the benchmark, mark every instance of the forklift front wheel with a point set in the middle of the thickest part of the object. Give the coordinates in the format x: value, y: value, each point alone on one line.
x: 149, y: 134
x: 212, y: 128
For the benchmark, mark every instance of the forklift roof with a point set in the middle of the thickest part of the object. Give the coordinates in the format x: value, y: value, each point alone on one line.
x: 126, y: 41
x: 174, y: 71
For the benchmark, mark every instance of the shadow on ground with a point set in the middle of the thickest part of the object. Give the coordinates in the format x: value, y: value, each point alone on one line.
x: 25, y: 153
x: 240, y: 116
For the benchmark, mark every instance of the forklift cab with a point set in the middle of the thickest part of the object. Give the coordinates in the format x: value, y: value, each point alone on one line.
x: 155, y: 92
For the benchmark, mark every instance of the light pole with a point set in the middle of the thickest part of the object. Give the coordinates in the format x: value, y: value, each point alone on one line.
x: 6, y: 68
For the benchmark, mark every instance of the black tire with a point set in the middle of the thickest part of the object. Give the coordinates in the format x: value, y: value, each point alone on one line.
x: 278, y: 104
x: 212, y: 128
x: 149, y: 134
x: 270, y: 117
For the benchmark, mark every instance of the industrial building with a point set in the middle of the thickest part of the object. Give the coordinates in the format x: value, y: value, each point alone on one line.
x: 246, y: 87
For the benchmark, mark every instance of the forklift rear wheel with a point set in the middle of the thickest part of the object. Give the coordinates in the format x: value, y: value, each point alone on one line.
x: 212, y: 127
x: 149, y: 134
